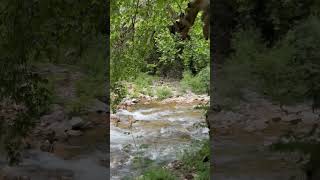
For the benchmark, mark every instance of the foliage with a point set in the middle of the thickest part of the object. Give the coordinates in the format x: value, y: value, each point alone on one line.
x: 198, y: 83
x: 33, y: 31
x: 272, y: 17
x: 141, y: 41
x: 143, y: 82
x: 163, y: 92
x: 198, y: 161
x: 287, y: 72
x: 157, y: 174
x: 195, y: 160
x: 196, y: 52
x: 119, y: 92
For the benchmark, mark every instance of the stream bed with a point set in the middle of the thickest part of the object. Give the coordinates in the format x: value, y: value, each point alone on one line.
x: 159, y: 134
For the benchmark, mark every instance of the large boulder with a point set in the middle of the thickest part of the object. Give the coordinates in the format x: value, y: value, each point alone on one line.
x: 77, y: 123
x: 59, y: 129
x: 98, y: 107
x: 56, y: 116
x: 309, y: 117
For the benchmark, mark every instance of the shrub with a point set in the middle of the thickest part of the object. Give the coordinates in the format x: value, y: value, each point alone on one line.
x: 194, y: 160
x: 197, y: 84
x: 163, y: 92
x: 288, y: 72
x: 119, y: 91
x: 143, y: 82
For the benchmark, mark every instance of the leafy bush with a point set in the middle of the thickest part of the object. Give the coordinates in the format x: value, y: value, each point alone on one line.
x: 194, y: 160
x: 196, y: 52
x: 169, y: 64
x: 119, y: 91
x: 197, y: 84
x: 163, y: 92
x: 288, y: 72
x: 142, y: 84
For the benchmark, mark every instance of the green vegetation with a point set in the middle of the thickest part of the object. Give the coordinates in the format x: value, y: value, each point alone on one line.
x: 273, y: 51
x: 276, y: 56
x: 146, y: 58
x: 51, y: 32
x: 192, y: 161
x: 198, y: 83
x: 143, y: 50
x: 163, y: 92
x: 197, y: 161
x: 157, y: 174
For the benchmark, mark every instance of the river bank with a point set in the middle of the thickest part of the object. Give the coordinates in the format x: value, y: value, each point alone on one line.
x: 244, y: 136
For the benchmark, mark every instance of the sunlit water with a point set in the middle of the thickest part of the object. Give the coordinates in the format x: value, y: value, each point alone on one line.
x: 160, y: 134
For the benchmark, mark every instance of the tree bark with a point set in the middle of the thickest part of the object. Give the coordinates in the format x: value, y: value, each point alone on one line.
x: 221, y: 21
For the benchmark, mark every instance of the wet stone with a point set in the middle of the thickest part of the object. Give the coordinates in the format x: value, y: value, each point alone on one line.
x: 77, y: 123
x: 74, y: 133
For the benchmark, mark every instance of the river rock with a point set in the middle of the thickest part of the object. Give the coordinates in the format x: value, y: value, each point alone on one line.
x: 99, y: 107
x: 114, y: 119
x: 255, y: 126
x: 175, y: 165
x: 74, y: 133
x: 309, y: 117
x: 56, y: 116
x: 291, y: 117
x: 276, y: 119
x: 295, y: 121
x: 46, y: 146
x: 27, y: 143
x: 77, y: 123
x: 128, y: 102
x: 134, y: 101
x: 58, y: 129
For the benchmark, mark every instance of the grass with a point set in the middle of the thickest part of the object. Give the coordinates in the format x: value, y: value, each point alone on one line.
x: 144, y: 80
x: 163, y: 92
x: 197, y: 162
x: 193, y: 161
x: 198, y: 84
x: 157, y: 174
x: 143, y: 83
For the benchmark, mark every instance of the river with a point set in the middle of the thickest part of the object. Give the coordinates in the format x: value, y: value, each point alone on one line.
x: 159, y: 135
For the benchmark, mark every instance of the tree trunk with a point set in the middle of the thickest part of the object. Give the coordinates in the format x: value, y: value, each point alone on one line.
x: 221, y: 21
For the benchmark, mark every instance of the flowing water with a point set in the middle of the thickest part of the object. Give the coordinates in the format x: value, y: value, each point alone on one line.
x: 158, y: 136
